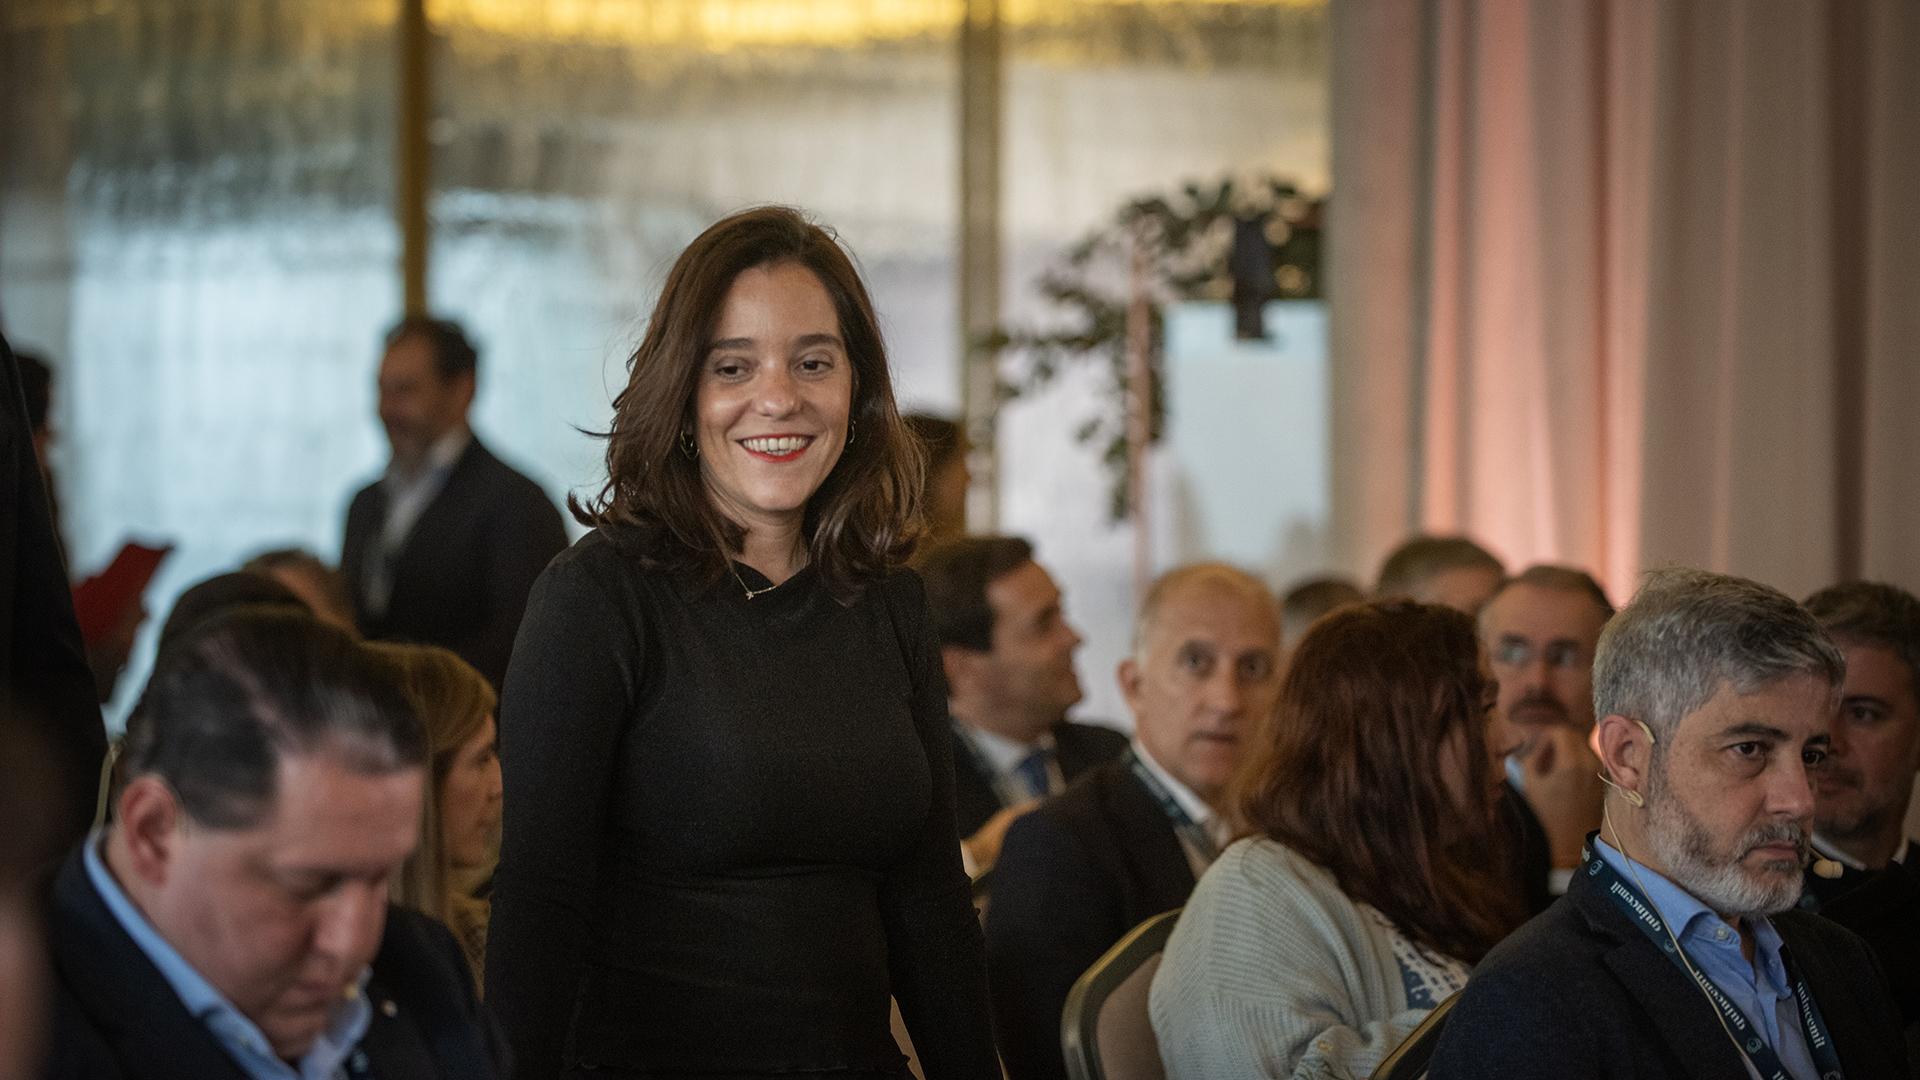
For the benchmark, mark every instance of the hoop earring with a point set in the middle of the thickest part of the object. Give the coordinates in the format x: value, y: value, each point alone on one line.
x: 688, y: 447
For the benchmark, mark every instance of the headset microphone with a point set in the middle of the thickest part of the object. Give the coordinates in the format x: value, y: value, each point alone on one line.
x: 1827, y: 868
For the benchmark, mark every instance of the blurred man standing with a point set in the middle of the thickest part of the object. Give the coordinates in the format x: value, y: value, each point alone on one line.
x: 444, y: 547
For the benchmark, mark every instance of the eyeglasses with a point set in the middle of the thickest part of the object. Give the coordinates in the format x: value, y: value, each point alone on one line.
x: 1519, y: 652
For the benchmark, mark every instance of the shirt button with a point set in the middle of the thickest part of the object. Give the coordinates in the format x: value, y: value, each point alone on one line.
x: 1720, y: 934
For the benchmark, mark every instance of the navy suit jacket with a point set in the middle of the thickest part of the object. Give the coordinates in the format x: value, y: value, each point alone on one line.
x: 464, y: 572
x: 116, y: 1018
x: 1074, y: 876
x: 1077, y: 748
x: 1580, y: 992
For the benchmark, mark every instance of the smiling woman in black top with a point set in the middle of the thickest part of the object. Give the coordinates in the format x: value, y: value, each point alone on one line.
x: 729, y: 829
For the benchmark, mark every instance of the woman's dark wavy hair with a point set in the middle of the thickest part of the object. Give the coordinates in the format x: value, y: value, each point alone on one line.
x: 1349, y: 772
x: 866, y: 516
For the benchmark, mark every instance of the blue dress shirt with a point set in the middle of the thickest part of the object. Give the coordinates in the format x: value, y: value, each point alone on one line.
x: 1760, y: 989
x: 237, y: 1035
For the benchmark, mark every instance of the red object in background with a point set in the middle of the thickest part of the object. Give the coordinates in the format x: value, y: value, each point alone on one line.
x: 106, y: 600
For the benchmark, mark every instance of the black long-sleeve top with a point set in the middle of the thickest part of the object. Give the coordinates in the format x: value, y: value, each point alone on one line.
x: 729, y: 831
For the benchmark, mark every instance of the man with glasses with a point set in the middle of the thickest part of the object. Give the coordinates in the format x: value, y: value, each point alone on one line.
x: 1539, y: 631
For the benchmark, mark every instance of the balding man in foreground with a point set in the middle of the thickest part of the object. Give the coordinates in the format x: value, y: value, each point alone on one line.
x: 1128, y: 840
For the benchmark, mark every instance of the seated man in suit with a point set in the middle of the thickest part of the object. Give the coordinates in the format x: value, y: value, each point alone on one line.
x: 1676, y: 951
x: 1539, y: 632
x: 232, y: 923
x: 445, y: 546
x: 1861, y: 796
x: 1007, y: 650
x: 1871, y: 883
x: 1128, y: 840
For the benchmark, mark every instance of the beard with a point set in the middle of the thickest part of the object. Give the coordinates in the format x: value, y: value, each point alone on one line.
x: 1720, y: 878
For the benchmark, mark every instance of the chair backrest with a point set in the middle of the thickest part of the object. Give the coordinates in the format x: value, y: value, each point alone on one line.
x: 1409, y: 1060
x: 1104, y: 1031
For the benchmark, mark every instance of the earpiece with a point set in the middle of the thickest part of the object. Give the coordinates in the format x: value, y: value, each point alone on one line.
x: 1634, y: 798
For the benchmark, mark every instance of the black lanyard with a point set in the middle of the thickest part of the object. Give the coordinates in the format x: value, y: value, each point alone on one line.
x: 1189, y: 830
x: 1641, y: 913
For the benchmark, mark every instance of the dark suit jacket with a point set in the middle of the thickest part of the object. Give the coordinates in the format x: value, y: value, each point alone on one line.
x: 1531, y: 851
x: 1883, y: 907
x: 116, y: 1018
x: 1074, y: 876
x: 45, y: 684
x: 465, y: 570
x: 1078, y: 747
x: 1581, y: 992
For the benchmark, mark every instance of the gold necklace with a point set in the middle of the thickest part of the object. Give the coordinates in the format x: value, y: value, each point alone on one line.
x: 751, y: 593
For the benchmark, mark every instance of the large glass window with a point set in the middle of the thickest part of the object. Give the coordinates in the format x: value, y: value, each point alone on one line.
x: 197, y: 222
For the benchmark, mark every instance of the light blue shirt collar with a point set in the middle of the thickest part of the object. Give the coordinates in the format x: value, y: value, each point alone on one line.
x: 1760, y: 989
x: 240, y: 1037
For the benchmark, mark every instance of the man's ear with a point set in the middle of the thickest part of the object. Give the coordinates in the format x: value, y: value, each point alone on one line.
x: 1625, y: 748
x: 148, y: 819
x: 959, y: 665
x: 1128, y: 675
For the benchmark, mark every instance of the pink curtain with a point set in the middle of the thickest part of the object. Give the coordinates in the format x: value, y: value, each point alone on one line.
x: 1625, y: 283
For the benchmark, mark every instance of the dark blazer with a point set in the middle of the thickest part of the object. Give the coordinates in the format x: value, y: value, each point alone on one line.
x: 1077, y: 748
x: 1884, y: 909
x: 116, y: 1018
x: 1074, y: 876
x: 1823, y: 891
x: 1530, y: 849
x: 1580, y: 991
x: 45, y: 684
x: 465, y: 570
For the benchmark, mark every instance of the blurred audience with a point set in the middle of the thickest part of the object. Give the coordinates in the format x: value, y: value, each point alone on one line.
x: 1676, y: 951
x: 1007, y: 649
x: 1456, y: 572
x: 1449, y: 570
x: 233, y: 920
x: 1306, y: 601
x: 1128, y: 839
x: 47, y: 688
x: 444, y: 547
x: 460, y: 819
x: 1540, y: 631
x: 1371, y: 879
x: 944, y: 502
x: 319, y: 586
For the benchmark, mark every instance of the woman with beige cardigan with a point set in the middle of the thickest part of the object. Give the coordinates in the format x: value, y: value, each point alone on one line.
x: 1372, y: 873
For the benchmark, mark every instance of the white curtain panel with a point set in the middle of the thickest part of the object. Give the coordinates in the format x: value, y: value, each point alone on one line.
x: 1625, y: 283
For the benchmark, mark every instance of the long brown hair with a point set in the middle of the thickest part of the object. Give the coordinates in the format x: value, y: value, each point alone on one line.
x: 864, y: 518
x: 1350, y: 772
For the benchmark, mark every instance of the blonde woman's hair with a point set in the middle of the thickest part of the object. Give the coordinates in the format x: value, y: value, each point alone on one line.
x: 453, y: 702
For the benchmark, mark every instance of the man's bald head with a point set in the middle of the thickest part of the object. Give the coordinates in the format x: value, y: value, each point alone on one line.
x: 1204, y: 670
x: 1218, y: 579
